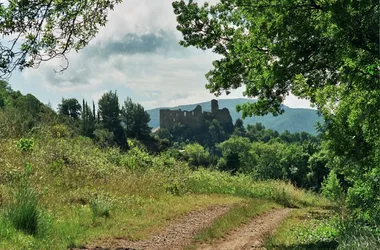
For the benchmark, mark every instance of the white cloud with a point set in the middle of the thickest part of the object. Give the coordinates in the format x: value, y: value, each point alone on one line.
x: 166, y: 75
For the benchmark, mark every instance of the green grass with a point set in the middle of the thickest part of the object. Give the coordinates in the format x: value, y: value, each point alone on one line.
x: 305, y: 229
x: 78, y: 193
x: 24, y: 213
x: 101, y: 206
x: 241, y: 213
x: 317, y: 228
x: 206, y: 181
x: 357, y: 237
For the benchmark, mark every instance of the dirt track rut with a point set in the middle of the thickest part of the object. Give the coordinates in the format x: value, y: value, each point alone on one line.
x: 251, y: 235
x: 180, y: 233
x: 176, y: 236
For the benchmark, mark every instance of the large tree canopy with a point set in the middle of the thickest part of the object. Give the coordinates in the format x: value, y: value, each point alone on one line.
x: 40, y: 30
x: 326, y: 51
x: 274, y: 47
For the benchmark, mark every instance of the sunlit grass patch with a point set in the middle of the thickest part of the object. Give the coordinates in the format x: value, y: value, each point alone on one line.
x: 206, y: 181
x: 307, y: 228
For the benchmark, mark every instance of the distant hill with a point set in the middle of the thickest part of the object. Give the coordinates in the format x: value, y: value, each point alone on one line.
x: 293, y: 120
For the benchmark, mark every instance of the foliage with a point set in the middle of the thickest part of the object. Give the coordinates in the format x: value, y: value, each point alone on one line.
x: 317, y: 165
x: 269, y: 161
x: 60, y: 131
x: 109, y: 112
x: 196, y: 155
x: 88, y: 120
x: 67, y: 25
x: 239, y: 129
x: 70, y: 108
x: 331, y: 187
x: 237, y: 155
x: 325, y: 51
x: 135, y: 120
x: 25, y: 144
x: 295, y: 164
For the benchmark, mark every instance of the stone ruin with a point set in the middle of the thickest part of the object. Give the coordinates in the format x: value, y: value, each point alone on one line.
x: 195, y: 117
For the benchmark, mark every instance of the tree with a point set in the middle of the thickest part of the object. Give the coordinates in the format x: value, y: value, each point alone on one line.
x: 5, y: 91
x: 239, y: 128
x: 196, y: 155
x: 47, y: 29
x: 70, y: 108
x: 237, y: 155
x: 295, y: 165
x: 135, y: 119
x: 109, y: 112
x: 276, y: 47
x: 324, y: 51
x: 216, y: 132
x: 88, y: 121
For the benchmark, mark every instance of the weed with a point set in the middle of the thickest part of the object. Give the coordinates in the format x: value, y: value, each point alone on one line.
x: 25, y: 144
x: 101, y: 206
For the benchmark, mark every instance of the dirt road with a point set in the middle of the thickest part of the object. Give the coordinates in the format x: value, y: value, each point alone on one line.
x: 176, y: 236
x: 251, y: 235
x: 180, y: 233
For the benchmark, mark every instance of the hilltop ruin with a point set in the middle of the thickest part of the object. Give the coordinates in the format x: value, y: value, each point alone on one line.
x: 194, y: 118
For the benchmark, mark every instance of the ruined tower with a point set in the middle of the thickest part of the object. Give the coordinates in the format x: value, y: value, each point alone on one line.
x: 214, y: 106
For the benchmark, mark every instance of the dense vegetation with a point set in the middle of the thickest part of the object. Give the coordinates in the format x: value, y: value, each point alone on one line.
x: 54, y: 163
x: 324, y: 51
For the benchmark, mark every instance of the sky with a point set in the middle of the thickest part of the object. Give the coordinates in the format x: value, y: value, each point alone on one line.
x: 138, y: 55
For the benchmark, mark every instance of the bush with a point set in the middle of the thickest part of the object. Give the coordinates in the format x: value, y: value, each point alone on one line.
x: 196, y: 155
x: 331, y: 187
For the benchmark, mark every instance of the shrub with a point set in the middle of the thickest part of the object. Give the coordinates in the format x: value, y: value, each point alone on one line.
x: 59, y: 131
x: 196, y: 155
x: 331, y: 187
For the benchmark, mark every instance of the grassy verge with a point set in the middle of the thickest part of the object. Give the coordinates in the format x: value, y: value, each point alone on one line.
x: 134, y: 218
x: 78, y: 193
x: 305, y: 229
x: 206, y: 181
x: 241, y: 213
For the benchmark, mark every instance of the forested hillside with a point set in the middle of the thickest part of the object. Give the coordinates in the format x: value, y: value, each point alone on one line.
x: 293, y: 120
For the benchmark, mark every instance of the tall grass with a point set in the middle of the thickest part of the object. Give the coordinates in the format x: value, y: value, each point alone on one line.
x: 24, y: 213
x: 101, y: 206
x: 207, y: 182
x: 357, y: 237
x: 146, y: 192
